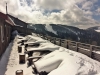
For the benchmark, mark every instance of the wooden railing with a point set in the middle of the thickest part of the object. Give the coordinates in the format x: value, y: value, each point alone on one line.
x: 87, y: 49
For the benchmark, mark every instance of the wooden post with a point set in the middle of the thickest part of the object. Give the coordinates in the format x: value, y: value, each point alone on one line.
x: 21, y: 58
x: 59, y: 42
x: 49, y: 38
x: 91, y: 49
x: 19, y: 72
x: 77, y: 45
x: 54, y: 40
x: 19, y: 49
x: 0, y: 43
x: 65, y: 43
x: 46, y: 37
x: 68, y: 43
x: 62, y: 42
x: 43, y: 36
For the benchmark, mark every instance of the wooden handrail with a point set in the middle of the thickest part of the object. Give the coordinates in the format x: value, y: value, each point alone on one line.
x: 76, y: 45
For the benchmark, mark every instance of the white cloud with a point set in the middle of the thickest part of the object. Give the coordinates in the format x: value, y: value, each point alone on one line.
x: 69, y: 14
x: 98, y: 11
x: 88, y: 12
x: 72, y: 16
x: 52, y: 4
x: 87, y: 5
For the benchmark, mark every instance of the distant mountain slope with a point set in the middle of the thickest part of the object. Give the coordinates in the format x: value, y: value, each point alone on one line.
x: 67, y: 32
x: 96, y: 28
x: 41, y: 28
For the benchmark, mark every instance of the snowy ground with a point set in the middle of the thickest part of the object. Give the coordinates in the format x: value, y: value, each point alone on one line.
x: 59, y: 62
x: 4, y: 59
x: 49, y: 28
x: 9, y: 65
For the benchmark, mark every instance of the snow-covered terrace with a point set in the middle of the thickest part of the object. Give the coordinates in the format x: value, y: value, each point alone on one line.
x: 60, y: 61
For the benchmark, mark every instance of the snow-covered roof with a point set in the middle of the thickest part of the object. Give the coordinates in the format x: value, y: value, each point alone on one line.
x: 6, y: 18
x: 17, y: 22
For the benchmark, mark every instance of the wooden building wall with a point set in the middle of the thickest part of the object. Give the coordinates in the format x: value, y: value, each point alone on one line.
x: 5, y: 34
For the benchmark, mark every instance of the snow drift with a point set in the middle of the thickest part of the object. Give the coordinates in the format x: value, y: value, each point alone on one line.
x: 60, y: 61
x: 66, y: 62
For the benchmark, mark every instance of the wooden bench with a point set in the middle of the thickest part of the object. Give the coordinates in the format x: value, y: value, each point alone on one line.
x: 37, y: 72
x: 30, y: 53
x: 30, y: 59
x: 22, y: 42
x: 32, y: 45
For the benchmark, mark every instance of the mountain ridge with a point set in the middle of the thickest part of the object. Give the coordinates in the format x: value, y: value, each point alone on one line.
x: 68, y: 32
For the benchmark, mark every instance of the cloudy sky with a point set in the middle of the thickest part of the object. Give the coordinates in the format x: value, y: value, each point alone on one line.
x: 80, y: 13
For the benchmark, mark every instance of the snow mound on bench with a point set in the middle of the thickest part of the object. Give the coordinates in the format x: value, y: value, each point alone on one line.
x: 66, y: 62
